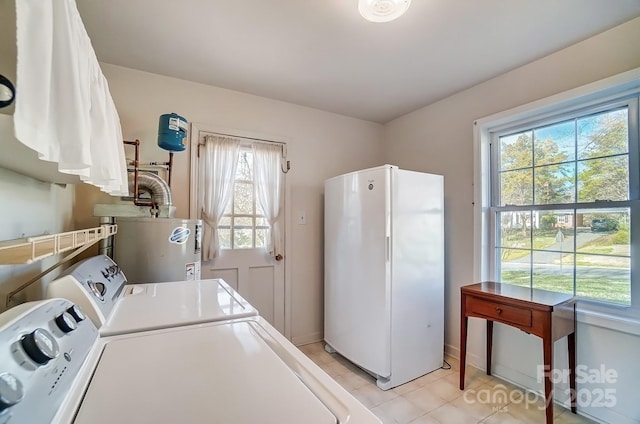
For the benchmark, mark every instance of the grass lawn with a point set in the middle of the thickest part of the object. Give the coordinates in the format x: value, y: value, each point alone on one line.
x: 607, y: 250
x: 597, y: 288
x: 539, y: 243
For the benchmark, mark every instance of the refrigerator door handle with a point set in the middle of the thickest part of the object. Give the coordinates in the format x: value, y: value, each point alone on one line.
x: 388, y: 248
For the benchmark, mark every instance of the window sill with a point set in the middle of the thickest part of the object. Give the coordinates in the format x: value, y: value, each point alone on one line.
x: 624, y: 324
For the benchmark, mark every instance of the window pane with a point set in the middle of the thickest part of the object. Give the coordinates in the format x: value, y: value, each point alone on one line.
x: 225, y: 239
x: 242, y: 233
x: 603, y: 134
x: 516, y: 151
x: 603, y: 265
x: 261, y: 237
x: 553, y: 271
x: 224, y: 232
x: 555, y: 143
x: 555, y: 184
x: 244, y: 171
x: 610, y: 225
x: 516, y: 187
x: 243, y: 198
x: 603, y: 179
x: 553, y: 231
x: 514, y: 267
x: 608, y: 233
x: 514, y: 231
x: 242, y: 239
x: 604, y: 278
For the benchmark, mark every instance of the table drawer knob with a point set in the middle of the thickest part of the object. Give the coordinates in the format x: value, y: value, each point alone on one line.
x: 498, y: 310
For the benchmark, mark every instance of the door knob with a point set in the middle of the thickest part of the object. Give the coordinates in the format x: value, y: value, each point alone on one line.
x: 279, y: 257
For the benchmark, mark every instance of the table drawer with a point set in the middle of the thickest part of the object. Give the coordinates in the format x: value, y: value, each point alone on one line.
x: 499, y: 312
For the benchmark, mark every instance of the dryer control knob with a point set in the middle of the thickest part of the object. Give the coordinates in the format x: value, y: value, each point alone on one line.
x: 66, y: 322
x: 40, y: 346
x: 76, y: 313
x: 11, y: 390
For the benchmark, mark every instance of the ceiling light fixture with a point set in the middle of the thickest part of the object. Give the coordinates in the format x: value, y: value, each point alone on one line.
x: 382, y: 10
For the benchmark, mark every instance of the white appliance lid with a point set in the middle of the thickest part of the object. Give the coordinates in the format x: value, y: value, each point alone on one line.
x: 223, y: 373
x: 160, y: 305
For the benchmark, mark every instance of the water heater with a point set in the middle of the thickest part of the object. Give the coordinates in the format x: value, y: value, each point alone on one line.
x: 153, y: 250
x: 172, y: 132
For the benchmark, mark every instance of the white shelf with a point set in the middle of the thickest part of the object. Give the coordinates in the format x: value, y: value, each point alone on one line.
x: 31, y: 249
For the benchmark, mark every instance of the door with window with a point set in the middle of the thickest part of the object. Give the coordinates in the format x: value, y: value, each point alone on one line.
x: 246, y: 258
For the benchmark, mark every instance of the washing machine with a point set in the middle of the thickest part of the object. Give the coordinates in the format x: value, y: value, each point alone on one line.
x: 99, y: 287
x: 59, y: 370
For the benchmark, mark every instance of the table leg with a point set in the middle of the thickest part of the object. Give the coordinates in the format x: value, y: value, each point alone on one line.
x: 489, y: 345
x: 547, y: 343
x: 571, y: 341
x: 463, y: 347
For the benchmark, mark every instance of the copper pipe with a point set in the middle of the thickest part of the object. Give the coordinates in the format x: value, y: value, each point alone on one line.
x: 136, y: 164
x: 169, y: 170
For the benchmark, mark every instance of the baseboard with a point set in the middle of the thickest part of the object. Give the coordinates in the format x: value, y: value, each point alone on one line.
x: 307, y: 338
x: 528, y: 383
x: 472, y: 359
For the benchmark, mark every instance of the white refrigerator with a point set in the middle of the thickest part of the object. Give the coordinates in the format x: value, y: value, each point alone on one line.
x: 384, y: 272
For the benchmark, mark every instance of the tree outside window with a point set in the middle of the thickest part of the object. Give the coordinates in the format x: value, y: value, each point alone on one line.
x: 562, y: 206
x: 243, y: 225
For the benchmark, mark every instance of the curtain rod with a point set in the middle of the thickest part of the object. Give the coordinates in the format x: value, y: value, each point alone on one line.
x: 260, y: 140
x: 282, y: 144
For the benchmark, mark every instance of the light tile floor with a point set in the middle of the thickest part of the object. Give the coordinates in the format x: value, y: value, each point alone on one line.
x: 435, y: 397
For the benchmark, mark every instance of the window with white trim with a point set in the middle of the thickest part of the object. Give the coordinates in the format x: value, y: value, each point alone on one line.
x: 243, y: 225
x: 563, y: 201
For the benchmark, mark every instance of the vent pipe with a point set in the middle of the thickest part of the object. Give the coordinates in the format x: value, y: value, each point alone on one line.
x: 152, y: 184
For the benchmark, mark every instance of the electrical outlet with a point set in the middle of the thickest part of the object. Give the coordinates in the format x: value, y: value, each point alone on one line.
x: 302, y: 218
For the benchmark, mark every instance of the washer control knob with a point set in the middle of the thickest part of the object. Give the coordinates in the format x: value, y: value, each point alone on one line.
x: 11, y: 390
x: 66, y: 322
x: 97, y: 289
x: 114, y: 269
x: 76, y: 313
x: 40, y: 346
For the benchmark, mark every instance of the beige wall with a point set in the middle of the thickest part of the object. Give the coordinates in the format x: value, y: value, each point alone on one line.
x: 319, y: 145
x: 30, y: 208
x: 439, y: 139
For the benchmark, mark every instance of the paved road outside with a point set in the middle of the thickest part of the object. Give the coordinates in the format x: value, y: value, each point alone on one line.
x: 547, y: 262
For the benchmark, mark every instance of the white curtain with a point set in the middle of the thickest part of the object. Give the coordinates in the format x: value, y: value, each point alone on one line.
x: 268, y: 179
x: 220, y: 161
x: 64, y: 110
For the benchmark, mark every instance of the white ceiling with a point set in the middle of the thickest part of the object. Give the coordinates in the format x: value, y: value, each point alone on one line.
x: 322, y: 54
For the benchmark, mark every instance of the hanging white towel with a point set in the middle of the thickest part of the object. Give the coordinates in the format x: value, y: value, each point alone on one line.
x: 64, y: 110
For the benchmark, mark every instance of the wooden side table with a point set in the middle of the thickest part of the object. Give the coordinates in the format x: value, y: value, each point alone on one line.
x: 548, y: 315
